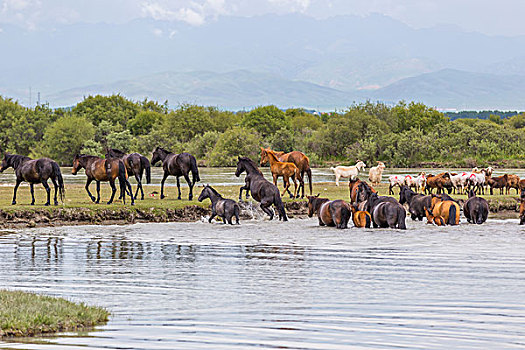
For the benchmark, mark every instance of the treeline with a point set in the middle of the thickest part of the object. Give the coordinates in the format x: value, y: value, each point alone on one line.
x: 481, y: 114
x: 404, y: 135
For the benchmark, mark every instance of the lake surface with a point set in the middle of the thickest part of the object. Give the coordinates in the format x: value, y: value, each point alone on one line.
x: 226, y: 176
x: 279, y: 285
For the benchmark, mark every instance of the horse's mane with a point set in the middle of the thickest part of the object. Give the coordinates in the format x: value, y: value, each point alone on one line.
x: 15, y: 160
x: 214, y: 191
x: 251, y: 163
x: 162, y: 150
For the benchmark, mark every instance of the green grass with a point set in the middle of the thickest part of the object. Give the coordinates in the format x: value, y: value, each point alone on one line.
x: 28, y: 314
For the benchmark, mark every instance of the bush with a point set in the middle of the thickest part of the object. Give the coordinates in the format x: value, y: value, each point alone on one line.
x: 234, y: 143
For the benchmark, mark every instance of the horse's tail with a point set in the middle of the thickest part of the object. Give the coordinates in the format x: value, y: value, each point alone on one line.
x: 368, y: 220
x: 194, y: 170
x: 60, y: 180
x: 309, y: 173
x: 401, y: 215
x: 236, y: 212
x: 280, y: 207
x: 147, y: 166
x: 479, y: 216
x: 123, y: 181
x: 452, y: 215
x: 346, y: 214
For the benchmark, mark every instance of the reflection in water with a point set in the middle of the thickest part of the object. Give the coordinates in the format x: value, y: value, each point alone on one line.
x: 271, y: 284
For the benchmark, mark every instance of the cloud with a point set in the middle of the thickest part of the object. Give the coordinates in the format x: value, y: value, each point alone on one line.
x: 292, y: 5
x: 193, y: 13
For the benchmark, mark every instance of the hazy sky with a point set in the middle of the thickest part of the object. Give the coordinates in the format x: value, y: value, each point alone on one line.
x: 495, y: 17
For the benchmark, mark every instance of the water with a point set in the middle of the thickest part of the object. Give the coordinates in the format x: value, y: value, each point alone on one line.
x: 279, y: 285
x: 226, y: 176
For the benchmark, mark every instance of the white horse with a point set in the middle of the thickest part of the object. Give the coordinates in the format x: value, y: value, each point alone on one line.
x: 417, y: 182
x: 395, y: 180
x: 461, y: 181
x: 477, y: 181
x: 376, y: 173
x: 347, y: 171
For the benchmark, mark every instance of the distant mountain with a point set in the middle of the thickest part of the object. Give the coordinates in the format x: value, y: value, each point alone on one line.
x: 449, y: 88
x: 232, y: 90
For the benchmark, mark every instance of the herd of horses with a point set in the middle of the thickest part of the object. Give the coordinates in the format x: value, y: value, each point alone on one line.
x: 366, y: 207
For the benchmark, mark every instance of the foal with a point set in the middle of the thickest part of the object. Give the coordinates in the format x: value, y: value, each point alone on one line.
x: 225, y: 208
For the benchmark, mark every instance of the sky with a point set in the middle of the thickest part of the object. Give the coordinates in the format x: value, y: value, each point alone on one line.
x: 502, y: 17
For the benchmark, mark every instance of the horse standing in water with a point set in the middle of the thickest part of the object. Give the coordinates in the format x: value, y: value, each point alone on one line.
x: 35, y: 171
x: 263, y: 191
x: 106, y: 170
x: 302, y: 162
x: 476, y: 209
x: 177, y: 165
x: 225, y: 208
x: 330, y: 213
x: 135, y: 164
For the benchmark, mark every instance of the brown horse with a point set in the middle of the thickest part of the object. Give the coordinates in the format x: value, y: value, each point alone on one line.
x: 439, y: 181
x: 447, y: 209
x: 361, y: 218
x: 302, y: 162
x: 497, y: 182
x: 513, y: 181
x: 135, y: 164
x: 330, y: 213
x: 521, y: 201
x: 353, y: 186
x: 431, y: 219
x: 106, y: 170
x: 285, y: 169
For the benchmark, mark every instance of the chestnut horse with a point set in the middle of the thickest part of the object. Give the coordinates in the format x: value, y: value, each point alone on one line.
x: 353, y: 186
x: 447, y: 209
x: 330, y: 213
x: 135, y: 164
x: 285, y: 169
x: 360, y: 218
x: 431, y: 219
x: 302, y: 162
x: 100, y: 169
x: 521, y: 201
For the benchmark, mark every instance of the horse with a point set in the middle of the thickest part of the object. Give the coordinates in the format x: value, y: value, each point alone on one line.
x: 353, y: 185
x: 135, y: 164
x: 386, y: 212
x: 460, y: 181
x: 477, y: 181
x: 362, y: 193
x: 225, y: 208
x: 285, y: 169
x: 416, y: 202
x: 176, y: 165
x: 448, y: 209
x: 440, y: 181
x: 35, y: 171
x: 476, y: 209
x: 302, y: 162
x: 497, y: 182
x: 330, y: 213
x: 417, y: 182
x: 437, y: 220
x: 347, y: 171
x: 262, y: 190
x: 376, y: 173
x: 360, y: 218
x: 513, y: 181
x: 395, y: 180
x: 521, y: 202
x: 99, y: 169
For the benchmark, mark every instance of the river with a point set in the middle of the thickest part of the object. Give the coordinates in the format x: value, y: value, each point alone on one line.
x: 278, y: 285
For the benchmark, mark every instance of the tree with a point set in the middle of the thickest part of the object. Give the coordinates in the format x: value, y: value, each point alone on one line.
x: 233, y: 143
x: 266, y: 120
x: 115, y: 109
x: 143, y: 122
x: 66, y: 137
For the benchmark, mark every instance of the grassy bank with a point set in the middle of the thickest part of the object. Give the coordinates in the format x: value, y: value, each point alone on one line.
x: 28, y: 314
x: 78, y: 208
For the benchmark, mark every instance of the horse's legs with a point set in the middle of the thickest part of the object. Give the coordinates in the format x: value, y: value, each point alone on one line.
x: 337, y: 179
x: 14, y: 192
x: 88, y: 182
x: 32, y: 189
x: 48, y: 190
x: 301, y: 184
x: 286, y: 183
x: 139, y: 186
x: 295, y: 193
x: 178, y: 187
x: 265, y: 206
x: 389, y: 189
x: 213, y: 214
x: 187, y: 178
x: 56, y: 189
x: 113, y: 190
x: 162, y: 185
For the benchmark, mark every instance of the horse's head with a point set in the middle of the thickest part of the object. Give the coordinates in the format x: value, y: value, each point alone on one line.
x: 381, y: 165
x: 264, y: 157
x: 205, y: 193
x: 5, y: 163
x: 240, y: 167
x: 312, y: 204
x: 76, y: 165
x: 157, y: 155
x: 360, y: 165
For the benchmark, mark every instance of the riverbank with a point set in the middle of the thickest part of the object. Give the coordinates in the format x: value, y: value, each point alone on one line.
x: 77, y: 209
x: 27, y: 314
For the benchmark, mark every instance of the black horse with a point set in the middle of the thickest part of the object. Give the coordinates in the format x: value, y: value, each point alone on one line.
x: 176, y: 165
x: 225, y: 208
x: 35, y: 171
x: 135, y: 164
x: 386, y: 212
x: 262, y: 190
x: 476, y: 209
x: 416, y: 202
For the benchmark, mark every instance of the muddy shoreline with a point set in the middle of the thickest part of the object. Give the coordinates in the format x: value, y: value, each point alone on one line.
x: 121, y: 216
